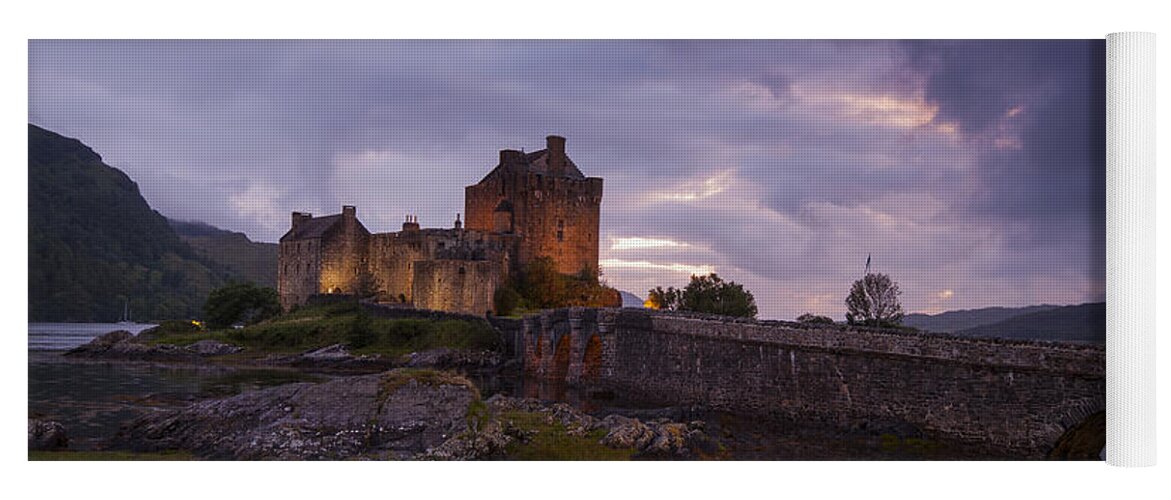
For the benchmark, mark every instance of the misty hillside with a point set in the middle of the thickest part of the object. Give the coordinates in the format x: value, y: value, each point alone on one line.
x: 249, y: 260
x: 94, y: 242
x: 954, y: 321
x: 1081, y: 323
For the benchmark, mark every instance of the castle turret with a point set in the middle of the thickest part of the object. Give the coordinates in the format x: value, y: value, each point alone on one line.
x: 545, y: 202
x: 458, y: 223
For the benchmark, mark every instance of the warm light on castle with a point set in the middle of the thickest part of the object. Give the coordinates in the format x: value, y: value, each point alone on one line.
x: 531, y: 205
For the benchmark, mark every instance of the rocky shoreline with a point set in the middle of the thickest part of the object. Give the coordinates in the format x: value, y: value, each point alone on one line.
x: 402, y: 414
x: 124, y: 346
x: 410, y: 407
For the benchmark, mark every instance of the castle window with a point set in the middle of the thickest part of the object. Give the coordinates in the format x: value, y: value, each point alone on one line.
x: 462, y: 271
x: 561, y: 230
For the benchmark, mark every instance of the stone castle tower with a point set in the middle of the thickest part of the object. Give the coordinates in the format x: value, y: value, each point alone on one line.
x: 531, y: 205
x: 544, y: 200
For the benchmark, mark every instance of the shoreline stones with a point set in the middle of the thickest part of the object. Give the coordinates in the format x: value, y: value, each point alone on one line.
x: 46, y: 435
x: 397, y: 415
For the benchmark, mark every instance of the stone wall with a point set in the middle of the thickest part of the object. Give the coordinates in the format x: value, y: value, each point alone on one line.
x: 394, y: 257
x: 1011, y: 395
x: 298, y: 271
x: 554, y: 216
x: 463, y: 286
x: 343, y: 254
x: 392, y: 262
x: 562, y: 221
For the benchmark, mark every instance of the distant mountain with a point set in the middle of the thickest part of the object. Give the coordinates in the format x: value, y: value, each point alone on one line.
x: 630, y: 299
x: 1081, y: 323
x: 954, y: 321
x: 94, y: 243
x: 252, y: 261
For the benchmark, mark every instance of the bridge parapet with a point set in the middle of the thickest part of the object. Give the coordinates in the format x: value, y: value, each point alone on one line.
x: 1006, y: 394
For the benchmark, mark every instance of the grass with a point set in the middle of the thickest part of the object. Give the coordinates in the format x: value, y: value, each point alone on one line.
x: 71, y: 455
x: 345, y: 323
x: 552, y: 441
x: 395, y: 379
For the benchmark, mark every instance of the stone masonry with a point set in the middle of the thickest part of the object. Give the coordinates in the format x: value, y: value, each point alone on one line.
x: 1009, y: 395
x: 531, y: 205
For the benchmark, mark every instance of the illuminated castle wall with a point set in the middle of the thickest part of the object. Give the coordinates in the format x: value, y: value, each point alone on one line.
x: 530, y: 206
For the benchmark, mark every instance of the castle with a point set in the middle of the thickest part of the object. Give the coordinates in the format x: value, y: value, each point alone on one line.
x: 531, y: 205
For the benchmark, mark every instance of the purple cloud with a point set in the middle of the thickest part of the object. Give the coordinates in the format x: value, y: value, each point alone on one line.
x: 973, y: 171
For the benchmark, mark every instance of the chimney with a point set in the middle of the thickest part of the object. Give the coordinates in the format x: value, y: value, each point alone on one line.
x: 411, y: 224
x: 299, y: 217
x: 555, y: 149
x: 511, y: 157
x: 349, y: 211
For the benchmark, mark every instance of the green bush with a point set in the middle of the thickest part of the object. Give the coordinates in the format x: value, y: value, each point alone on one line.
x: 706, y: 294
x: 506, y: 300
x: 540, y: 286
x: 240, y: 303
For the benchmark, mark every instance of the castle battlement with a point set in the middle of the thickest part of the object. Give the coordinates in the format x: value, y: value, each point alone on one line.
x: 531, y: 205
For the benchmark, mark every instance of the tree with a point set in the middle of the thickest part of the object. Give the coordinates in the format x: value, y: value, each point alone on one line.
x: 506, y: 299
x: 813, y: 319
x: 366, y: 284
x: 540, y: 286
x: 707, y: 294
x: 874, y: 301
x: 240, y: 303
x: 667, y: 300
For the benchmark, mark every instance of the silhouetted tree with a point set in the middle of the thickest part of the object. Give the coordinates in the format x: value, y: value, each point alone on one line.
x: 874, y: 301
x: 707, y: 294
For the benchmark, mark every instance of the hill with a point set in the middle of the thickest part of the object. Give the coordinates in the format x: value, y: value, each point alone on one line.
x: 630, y: 299
x: 954, y: 321
x: 1081, y: 323
x: 94, y: 242
x: 249, y: 260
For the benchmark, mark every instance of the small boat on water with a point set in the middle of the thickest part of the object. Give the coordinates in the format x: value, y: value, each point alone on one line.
x: 126, y: 314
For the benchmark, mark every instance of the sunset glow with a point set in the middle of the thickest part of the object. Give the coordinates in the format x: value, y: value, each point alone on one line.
x: 636, y: 243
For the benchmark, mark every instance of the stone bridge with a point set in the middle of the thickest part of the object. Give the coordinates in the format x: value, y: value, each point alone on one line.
x: 1015, y: 396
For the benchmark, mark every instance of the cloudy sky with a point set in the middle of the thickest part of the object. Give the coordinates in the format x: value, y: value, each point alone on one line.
x: 972, y: 171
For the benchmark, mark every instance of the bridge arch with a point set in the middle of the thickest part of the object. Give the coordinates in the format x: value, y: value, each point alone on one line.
x: 1084, y: 433
x: 559, y: 370
x: 591, y: 361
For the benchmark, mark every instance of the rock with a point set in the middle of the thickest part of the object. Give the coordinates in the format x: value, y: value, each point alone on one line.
x: 449, y: 358
x: 658, y: 438
x: 669, y: 439
x: 46, y: 435
x: 336, y: 357
x: 335, y: 352
x: 102, y: 343
x: 208, y: 347
x: 474, y: 444
x: 626, y: 433
x: 398, y: 414
x: 123, y: 345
